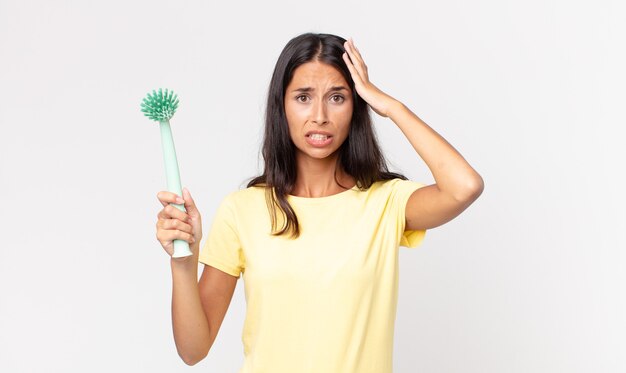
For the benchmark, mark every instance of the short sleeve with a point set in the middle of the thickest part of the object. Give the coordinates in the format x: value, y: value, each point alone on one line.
x: 401, y: 191
x: 222, y: 248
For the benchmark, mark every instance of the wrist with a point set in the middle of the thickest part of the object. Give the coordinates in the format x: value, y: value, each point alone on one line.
x: 186, y: 263
x: 395, y: 108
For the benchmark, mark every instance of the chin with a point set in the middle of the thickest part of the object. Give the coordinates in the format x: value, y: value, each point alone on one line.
x: 320, y: 153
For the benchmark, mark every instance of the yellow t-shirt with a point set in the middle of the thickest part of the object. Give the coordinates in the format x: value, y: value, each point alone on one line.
x: 326, y: 301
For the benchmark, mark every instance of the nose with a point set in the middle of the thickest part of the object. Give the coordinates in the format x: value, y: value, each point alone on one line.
x: 319, y: 113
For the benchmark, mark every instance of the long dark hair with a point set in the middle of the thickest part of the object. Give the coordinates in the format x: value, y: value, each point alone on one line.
x: 359, y: 155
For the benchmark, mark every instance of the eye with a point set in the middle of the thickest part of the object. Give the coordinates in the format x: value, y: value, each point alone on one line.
x: 341, y: 99
x: 298, y: 98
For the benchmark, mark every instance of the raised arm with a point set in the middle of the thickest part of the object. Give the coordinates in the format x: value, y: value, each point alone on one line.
x: 457, y: 184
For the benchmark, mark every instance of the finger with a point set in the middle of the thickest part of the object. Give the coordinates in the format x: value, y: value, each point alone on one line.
x: 171, y: 235
x: 174, y: 213
x: 353, y: 71
x: 170, y: 212
x: 162, y: 214
x: 360, y: 62
x: 190, y: 204
x: 350, y: 50
x: 175, y: 224
x: 356, y: 50
x: 346, y: 48
x: 183, y: 236
x: 356, y: 61
x: 165, y: 225
x: 166, y: 197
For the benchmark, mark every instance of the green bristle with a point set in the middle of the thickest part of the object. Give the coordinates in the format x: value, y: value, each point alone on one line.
x: 160, y: 105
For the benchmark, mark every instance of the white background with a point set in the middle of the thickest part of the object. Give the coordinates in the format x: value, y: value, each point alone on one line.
x: 530, y: 278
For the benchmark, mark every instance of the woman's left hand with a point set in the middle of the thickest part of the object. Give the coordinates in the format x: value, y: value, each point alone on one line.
x: 378, y: 100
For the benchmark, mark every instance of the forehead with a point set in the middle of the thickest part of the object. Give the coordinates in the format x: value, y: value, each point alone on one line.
x: 317, y: 73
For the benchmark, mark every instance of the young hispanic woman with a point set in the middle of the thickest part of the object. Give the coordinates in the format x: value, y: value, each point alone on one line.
x: 321, y: 291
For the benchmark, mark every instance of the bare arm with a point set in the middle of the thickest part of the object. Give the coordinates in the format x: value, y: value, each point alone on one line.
x: 198, y: 308
x: 457, y: 185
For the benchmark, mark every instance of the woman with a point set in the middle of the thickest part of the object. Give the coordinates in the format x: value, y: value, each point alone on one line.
x: 316, y: 235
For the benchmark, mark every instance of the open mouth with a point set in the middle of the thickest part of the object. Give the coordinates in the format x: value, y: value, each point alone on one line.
x: 318, y: 140
x: 319, y: 137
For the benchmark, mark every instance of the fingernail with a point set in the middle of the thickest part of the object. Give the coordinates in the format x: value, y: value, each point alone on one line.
x: 180, y: 200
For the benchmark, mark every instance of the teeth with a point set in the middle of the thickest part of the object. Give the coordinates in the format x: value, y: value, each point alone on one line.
x: 316, y: 136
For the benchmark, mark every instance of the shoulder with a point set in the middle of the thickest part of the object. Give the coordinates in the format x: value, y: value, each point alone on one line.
x: 394, y: 192
x: 393, y: 186
x: 241, y: 198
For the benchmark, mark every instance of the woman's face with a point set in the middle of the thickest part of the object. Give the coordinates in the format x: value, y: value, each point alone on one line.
x: 318, y: 100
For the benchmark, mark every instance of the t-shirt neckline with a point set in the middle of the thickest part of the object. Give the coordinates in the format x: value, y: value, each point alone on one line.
x: 322, y: 199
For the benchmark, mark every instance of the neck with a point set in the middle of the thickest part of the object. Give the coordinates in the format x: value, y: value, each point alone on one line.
x: 316, y: 177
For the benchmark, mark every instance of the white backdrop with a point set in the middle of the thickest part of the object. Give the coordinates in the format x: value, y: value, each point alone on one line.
x: 530, y: 278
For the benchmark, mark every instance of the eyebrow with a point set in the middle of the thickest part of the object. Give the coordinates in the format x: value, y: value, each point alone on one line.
x: 309, y: 89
